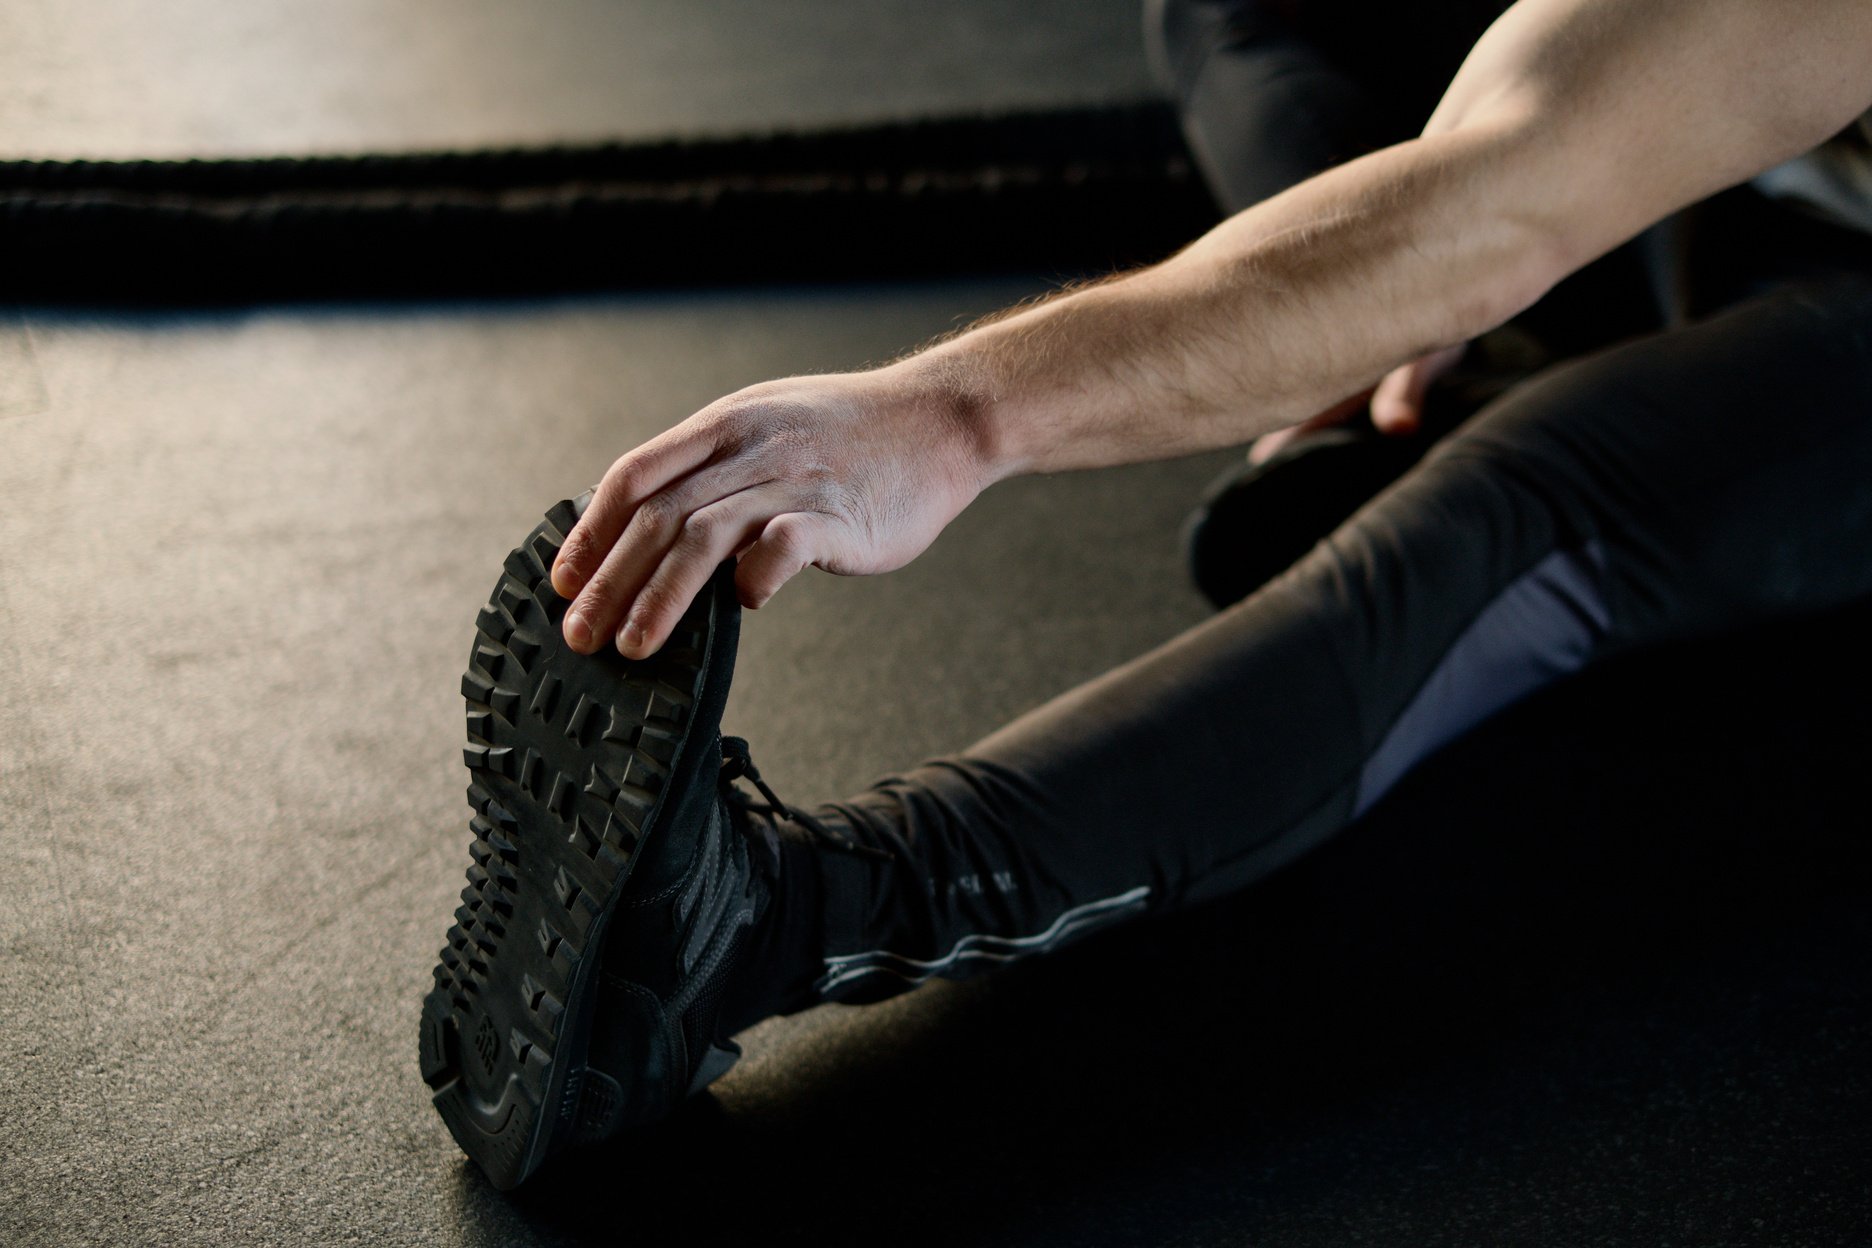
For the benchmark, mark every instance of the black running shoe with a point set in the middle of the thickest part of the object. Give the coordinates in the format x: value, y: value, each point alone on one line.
x: 606, y: 865
x: 676, y: 980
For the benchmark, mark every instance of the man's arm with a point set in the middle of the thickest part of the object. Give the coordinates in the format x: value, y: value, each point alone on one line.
x: 1572, y: 125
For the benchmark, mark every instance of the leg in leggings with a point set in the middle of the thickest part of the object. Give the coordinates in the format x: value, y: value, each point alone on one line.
x: 1271, y: 92
x: 1689, y: 482
x: 1262, y: 107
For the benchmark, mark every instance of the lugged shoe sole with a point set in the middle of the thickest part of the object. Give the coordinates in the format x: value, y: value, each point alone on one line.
x: 570, y: 758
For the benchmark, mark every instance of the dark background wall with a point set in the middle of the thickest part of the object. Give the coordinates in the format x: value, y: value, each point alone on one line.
x: 101, y: 80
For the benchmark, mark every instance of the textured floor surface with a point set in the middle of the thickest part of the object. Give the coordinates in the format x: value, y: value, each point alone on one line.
x: 1597, y: 976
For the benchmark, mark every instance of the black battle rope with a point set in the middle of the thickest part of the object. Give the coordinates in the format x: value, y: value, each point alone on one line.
x: 1065, y: 192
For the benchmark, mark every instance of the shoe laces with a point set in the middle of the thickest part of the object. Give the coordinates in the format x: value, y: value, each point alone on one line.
x: 738, y: 764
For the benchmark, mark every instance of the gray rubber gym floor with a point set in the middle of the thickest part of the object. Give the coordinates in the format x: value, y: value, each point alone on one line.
x: 1598, y: 975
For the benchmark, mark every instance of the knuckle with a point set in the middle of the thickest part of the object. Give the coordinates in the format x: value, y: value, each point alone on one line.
x: 620, y: 480
x: 731, y: 419
x: 659, y: 513
x: 577, y: 548
x: 653, y: 604
x: 754, y: 417
x: 701, y: 527
x: 789, y: 538
x: 740, y: 418
x: 605, y: 580
x: 592, y: 538
x: 600, y: 595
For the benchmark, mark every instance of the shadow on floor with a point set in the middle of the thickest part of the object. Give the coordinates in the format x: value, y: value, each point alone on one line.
x: 1596, y: 974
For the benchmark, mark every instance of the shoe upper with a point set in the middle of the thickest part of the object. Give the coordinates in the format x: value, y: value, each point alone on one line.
x: 671, y: 953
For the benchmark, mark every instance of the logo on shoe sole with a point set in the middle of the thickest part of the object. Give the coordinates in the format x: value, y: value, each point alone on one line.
x: 487, y: 1044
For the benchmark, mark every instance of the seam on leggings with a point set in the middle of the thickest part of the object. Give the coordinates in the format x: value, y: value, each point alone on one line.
x: 1284, y: 846
x: 983, y: 947
x: 1566, y: 520
x: 1560, y: 644
x: 1374, y: 737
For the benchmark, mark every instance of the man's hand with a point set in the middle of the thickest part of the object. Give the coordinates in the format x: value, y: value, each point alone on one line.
x: 1396, y: 404
x: 855, y: 473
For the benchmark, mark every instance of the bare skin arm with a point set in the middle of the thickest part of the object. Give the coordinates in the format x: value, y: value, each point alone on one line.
x: 1573, y: 125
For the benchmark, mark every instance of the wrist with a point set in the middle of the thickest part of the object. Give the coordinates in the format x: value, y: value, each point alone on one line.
x: 957, y: 387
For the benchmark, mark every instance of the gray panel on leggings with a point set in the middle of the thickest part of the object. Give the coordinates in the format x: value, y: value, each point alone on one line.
x: 1546, y: 624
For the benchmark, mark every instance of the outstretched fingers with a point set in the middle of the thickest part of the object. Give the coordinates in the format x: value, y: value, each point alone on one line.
x: 707, y: 538
x: 773, y: 547
x: 627, y: 483
x: 654, y: 526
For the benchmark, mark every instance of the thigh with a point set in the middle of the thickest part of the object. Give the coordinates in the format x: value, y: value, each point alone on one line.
x: 1739, y: 244
x: 1684, y: 483
x: 1725, y: 469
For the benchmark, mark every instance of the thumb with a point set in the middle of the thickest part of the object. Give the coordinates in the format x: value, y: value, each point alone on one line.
x: 1397, y: 403
x: 1268, y: 444
x: 786, y: 547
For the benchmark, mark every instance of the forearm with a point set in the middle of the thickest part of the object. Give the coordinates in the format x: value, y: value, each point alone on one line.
x: 1573, y: 125
x: 1274, y: 315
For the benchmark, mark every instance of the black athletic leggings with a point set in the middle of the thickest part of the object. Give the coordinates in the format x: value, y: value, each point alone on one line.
x: 1700, y: 477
